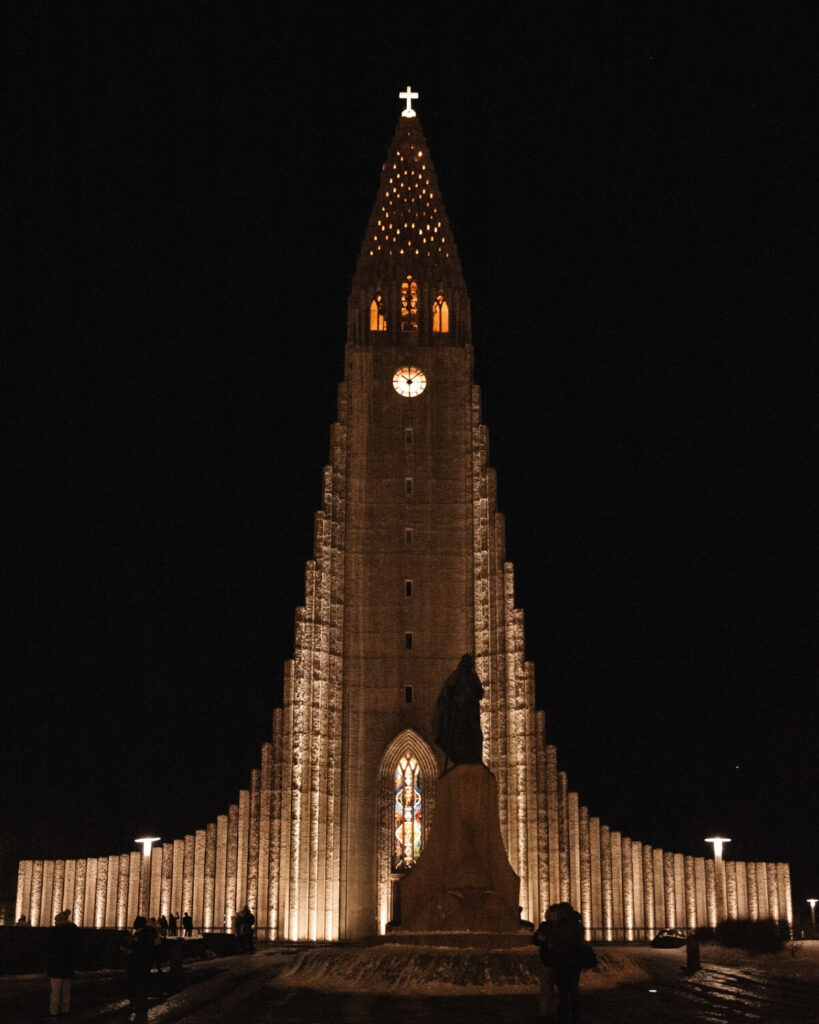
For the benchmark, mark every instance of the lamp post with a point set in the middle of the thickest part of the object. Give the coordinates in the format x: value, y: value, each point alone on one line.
x: 812, y: 917
x: 719, y: 874
x: 145, y: 882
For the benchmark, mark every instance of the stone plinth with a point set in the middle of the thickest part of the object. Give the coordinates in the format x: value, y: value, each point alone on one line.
x: 463, y: 880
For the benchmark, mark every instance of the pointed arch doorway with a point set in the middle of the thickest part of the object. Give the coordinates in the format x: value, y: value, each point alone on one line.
x: 407, y: 779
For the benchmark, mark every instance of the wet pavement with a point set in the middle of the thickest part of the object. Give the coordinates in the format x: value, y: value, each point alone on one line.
x: 245, y: 991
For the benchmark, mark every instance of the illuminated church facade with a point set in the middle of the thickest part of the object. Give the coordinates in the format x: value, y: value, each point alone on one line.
x: 408, y: 572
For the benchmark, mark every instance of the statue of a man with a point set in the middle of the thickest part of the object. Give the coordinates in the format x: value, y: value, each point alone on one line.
x: 456, y: 725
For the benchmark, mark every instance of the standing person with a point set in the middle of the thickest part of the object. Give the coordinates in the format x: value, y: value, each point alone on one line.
x: 138, y: 967
x: 563, y: 955
x: 172, y: 919
x: 163, y: 926
x: 62, y: 956
x: 187, y: 924
x: 244, y: 929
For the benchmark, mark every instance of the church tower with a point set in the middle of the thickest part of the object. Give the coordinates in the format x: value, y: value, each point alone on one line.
x: 408, y: 573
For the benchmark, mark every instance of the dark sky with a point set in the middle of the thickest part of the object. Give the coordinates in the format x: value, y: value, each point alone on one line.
x: 629, y: 195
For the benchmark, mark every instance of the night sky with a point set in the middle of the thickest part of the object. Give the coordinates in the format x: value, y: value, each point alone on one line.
x: 629, y: 193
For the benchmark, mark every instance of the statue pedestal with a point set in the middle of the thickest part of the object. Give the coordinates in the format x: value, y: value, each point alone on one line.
x: 463, y: 880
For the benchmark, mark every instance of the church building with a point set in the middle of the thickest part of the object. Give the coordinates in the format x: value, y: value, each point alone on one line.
x: 408, y: 573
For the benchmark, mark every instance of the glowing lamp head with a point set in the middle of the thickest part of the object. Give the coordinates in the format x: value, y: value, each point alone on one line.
x: 718, y: 842
x: 813, y: 903
x: 147, y: 842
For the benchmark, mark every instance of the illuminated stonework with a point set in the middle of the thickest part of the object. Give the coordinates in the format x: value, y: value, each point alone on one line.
x: 408, y: 497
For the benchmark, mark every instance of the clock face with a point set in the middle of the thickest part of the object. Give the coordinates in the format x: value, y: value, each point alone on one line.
x: 409, y: 381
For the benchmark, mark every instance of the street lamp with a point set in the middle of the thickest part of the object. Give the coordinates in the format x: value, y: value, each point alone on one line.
x: 719, y: 874
x: 145, y: 884
x: 812, y: 917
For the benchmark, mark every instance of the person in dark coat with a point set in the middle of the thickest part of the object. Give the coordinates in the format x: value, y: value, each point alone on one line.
x: 560, y: 939
x: 138, y: 967
x: 172, y: 920
x: 244, y: 929
x: 62, y: 957
x: 187, y: 924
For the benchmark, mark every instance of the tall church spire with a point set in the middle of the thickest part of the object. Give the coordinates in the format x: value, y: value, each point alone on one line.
x: 408, y: 267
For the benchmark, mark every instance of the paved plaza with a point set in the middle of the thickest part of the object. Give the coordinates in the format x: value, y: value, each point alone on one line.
x: 248, y: 990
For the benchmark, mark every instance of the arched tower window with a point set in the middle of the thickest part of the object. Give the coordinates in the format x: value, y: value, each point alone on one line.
x: 408, y: 811
x: 409, y: 304
x: 377, y: 321
x: 440, y: 315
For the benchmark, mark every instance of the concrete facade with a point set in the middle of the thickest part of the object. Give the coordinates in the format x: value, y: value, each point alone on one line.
x: 408, y: 573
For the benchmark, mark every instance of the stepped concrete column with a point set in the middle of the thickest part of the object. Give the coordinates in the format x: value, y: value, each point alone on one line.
x: 711, y: 893
x: 751, y: 889
x: 596, y: 922
x: 46, y: 915
x: 585, y: 907
x: 187, y: 875
x: 231, y: 864
x: 690, y: 893
x: 113, y: 892
x: 741, y: 876
x: 605, y: 863
x: 79, y: 893
x: 670, y: 897
x: 627, y: 874
x: 731, y: 890
x: 177, y: 878
x: 783, y: 875
x: 219, y: 917
x: 761, y: 869
x: 22, y: 906
x: 146, y: 842
x: 639, y: 889
x: 134, y: 884
x: 773, y: 892
x: 197, y: 911
x: 166, y: 883
x: 91, y: 865
x: 659, y: 889
x: 123, y: 871
x: 718, y: 842
x: 648, y: 889
x: 573, y: 808
x: 68, y: 886
x: 59, y: 887
x: 553, y: 827
x: 616, y: 883
x: 702, y: 901
x: 101, y: 892
x: 679, y: 889
x: 563, y: 836
x: 209, y: 879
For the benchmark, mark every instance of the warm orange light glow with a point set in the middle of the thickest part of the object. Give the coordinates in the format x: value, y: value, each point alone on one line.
x: 409, y: 304
x: 377, y: 321
x: 440, y: 316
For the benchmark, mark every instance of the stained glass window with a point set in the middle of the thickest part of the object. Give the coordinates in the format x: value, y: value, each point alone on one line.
x: 440, y: 316
x: 377, y: 321
x: 407, y: 814
x: 409, y: 305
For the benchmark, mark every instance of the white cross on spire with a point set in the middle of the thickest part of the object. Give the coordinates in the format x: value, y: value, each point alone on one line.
x: 409, y: 96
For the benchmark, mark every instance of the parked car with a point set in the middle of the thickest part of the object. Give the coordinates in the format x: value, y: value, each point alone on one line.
x: 668, y: 938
